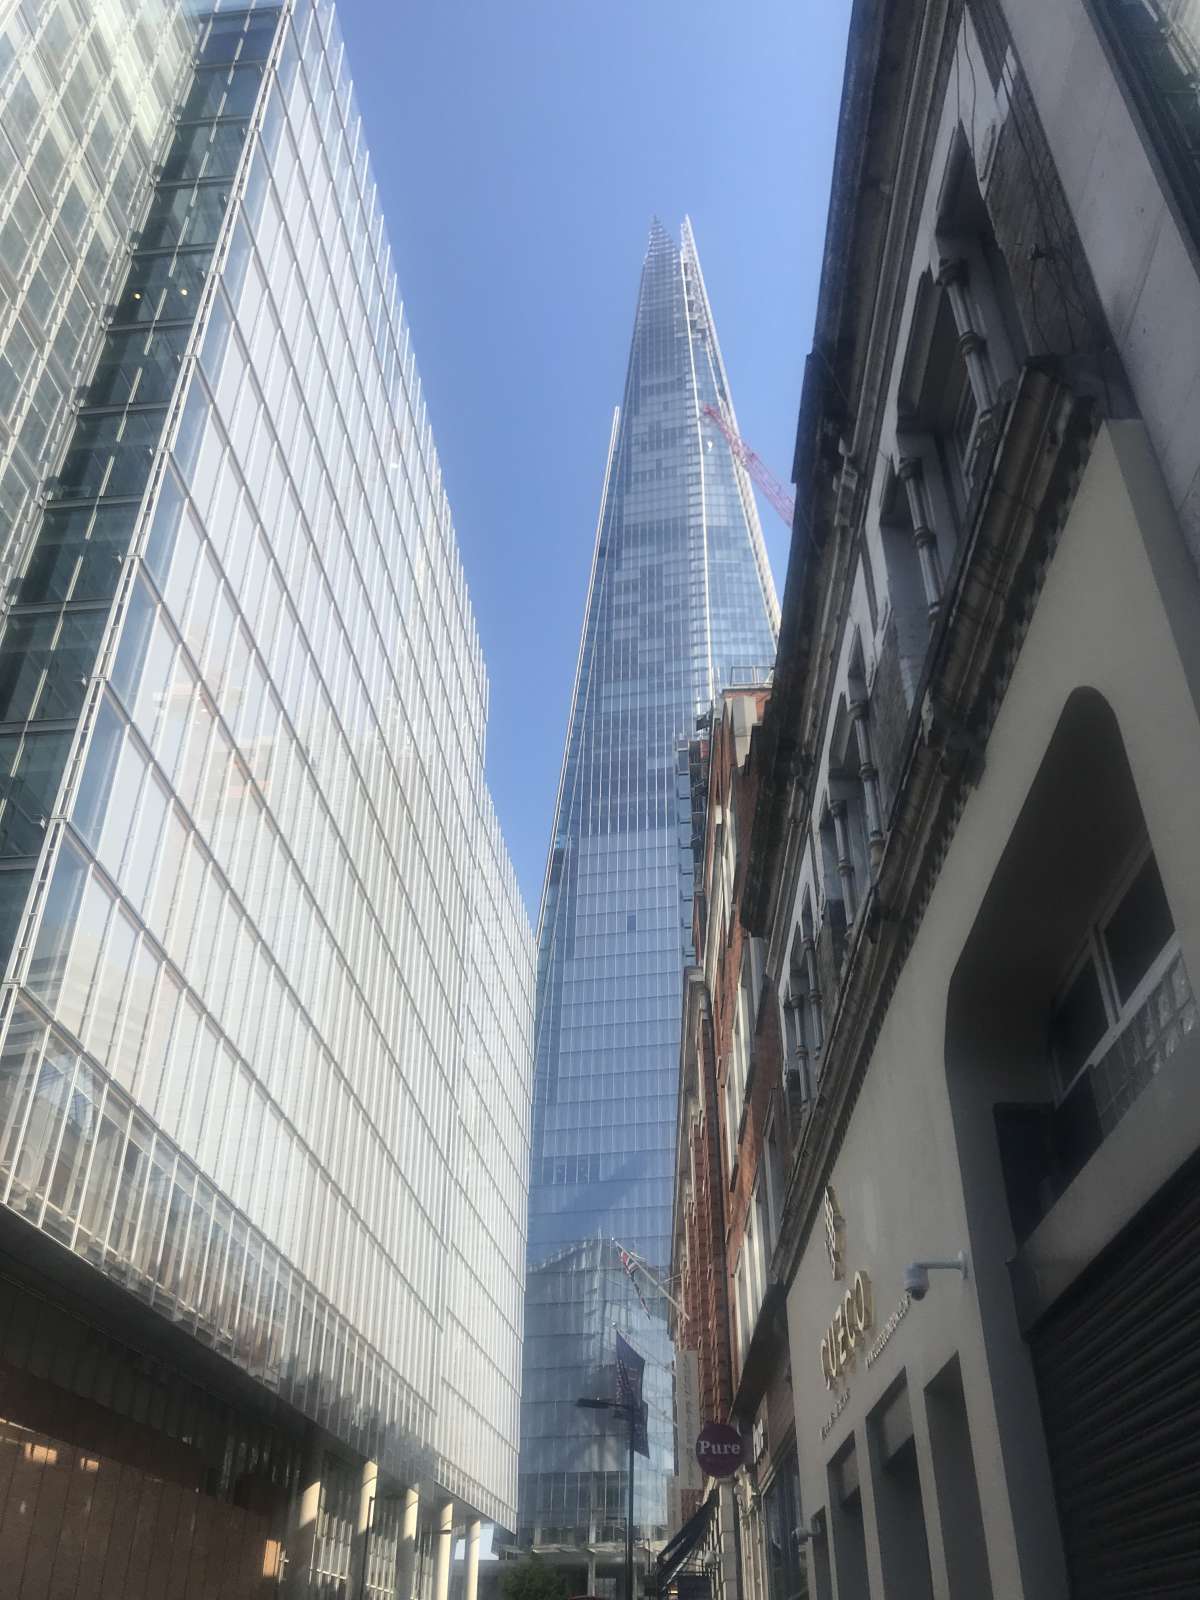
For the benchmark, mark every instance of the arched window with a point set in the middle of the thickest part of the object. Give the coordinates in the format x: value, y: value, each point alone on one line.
x: 803, y: 1024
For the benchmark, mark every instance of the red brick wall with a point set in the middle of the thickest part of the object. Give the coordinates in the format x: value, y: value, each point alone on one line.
x: 78, y: 1526
x: 766, y: 1095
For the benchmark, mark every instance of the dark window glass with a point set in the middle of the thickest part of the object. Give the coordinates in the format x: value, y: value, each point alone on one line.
x: 45, y: 662
x: 259, y: 35
x: 78, y: 554
x: 787, y: 1567
x: 221, y: 92
x: 110, y: 456
x: 1140, y: 927
x: 187, y: 216
x: 1079, y: 1022
x: 1158, y: 45
x: 138, y: 368
x: 163, y: 287
x: 31, y: 766
x: 223, y: 40
x: 205, y: 150
x: 14, y: 891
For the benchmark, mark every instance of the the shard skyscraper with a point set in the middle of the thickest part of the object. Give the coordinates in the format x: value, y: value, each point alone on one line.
x: 680, y: 604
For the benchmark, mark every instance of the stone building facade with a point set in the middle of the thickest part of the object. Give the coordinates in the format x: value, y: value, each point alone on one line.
x: 972, y: 864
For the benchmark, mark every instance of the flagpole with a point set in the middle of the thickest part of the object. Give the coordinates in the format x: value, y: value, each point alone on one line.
x: 629, y: 1519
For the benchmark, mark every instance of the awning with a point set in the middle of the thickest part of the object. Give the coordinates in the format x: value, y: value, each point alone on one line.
x: 676, y: 1552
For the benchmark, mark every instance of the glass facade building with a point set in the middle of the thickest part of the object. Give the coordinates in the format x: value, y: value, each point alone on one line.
x: 86, y: 88
x: 267, y: 1013
x: 681, y: 604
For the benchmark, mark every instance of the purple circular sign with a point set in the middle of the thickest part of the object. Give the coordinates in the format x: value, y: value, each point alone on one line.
x: 719, y: 1449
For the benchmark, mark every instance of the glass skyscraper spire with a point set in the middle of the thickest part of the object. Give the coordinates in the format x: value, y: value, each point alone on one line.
x: 680, y: 605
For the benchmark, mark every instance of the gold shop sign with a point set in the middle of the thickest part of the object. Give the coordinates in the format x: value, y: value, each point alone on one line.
x: 848, y: 1330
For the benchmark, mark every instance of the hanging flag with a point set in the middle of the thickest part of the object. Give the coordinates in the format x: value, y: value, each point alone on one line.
x: 630, y: 1370
x: 627, y: 1263
x: 630, y: 1367
x: 641, y: 1431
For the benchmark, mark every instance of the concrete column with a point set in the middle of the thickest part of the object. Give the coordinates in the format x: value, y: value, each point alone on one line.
x: 443, y: 1551
x: 406, y: 1556
x: 591, y: 1577
x: 473, y: 1532
x: 368, y: 1487
x: 302, y: 1522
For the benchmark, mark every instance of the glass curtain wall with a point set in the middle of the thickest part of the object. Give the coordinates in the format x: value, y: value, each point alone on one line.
x: 249, y: 841
x: 681, y: 604
x: 86, y: 88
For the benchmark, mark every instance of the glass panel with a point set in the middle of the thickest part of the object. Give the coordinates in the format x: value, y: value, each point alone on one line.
x: 102, y: 1178
x: 48, y: 964
x: 111, y: 980
x: 31, y: 768
x: 1139, y: 929
x: 109, y: 455
x: 165, y: 287
x: 39, y: 1145
x: 14, y: 892
x: 135, y: 636
x: 91, y: 799
x: 79, y: 1131
x: 214, y: 1269
x: 131, y: 1182
x: 219, y: 92
x: 45, y: 664
x: 207, y: 150
x: 18, y: 1067
x: 186, y: 216
x: 1160, y: 43
x: 159, y: 1185
x: 139, y: 368
x: 196, y: 1250
x: 175, y: 1233
x: 78, y: 554
x: 1079, y: 1023
x: 160, y: 543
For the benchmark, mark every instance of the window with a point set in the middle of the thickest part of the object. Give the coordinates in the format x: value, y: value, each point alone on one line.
x: 1073, y: 975
x: 802, y: 1020
x: 1126, y: 953
x: 732, y: 1113
x: 771, y: 1187
x: 1157, y: 45
x: 737, y: 1062
x: 963, y: 344
x: 787, y: 1566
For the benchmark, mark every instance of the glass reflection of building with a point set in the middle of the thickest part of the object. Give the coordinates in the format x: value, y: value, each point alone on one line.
x: 681, y: 603
x: 267, y: 1012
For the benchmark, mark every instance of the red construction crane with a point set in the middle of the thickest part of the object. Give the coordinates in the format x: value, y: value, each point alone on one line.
x: 754, y: 465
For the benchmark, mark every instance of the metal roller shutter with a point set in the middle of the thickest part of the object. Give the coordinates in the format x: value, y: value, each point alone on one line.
x: 1118, y: 1366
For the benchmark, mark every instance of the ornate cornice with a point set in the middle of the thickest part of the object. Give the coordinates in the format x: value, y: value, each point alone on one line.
x: 1039, y: 456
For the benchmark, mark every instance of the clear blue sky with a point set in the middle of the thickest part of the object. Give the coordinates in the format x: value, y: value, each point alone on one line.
x: 521, y: 148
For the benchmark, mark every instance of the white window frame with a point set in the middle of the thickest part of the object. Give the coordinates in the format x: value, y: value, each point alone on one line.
x: 1095, y: 953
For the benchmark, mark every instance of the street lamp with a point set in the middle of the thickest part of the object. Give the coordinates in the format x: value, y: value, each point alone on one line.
x: 633, y: 1415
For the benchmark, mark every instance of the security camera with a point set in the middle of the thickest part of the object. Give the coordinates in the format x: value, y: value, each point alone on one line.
x: 916, y: 1273
x: 916, y: 1280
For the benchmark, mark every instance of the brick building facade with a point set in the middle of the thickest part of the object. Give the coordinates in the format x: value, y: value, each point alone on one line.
x: 735, y: 1136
